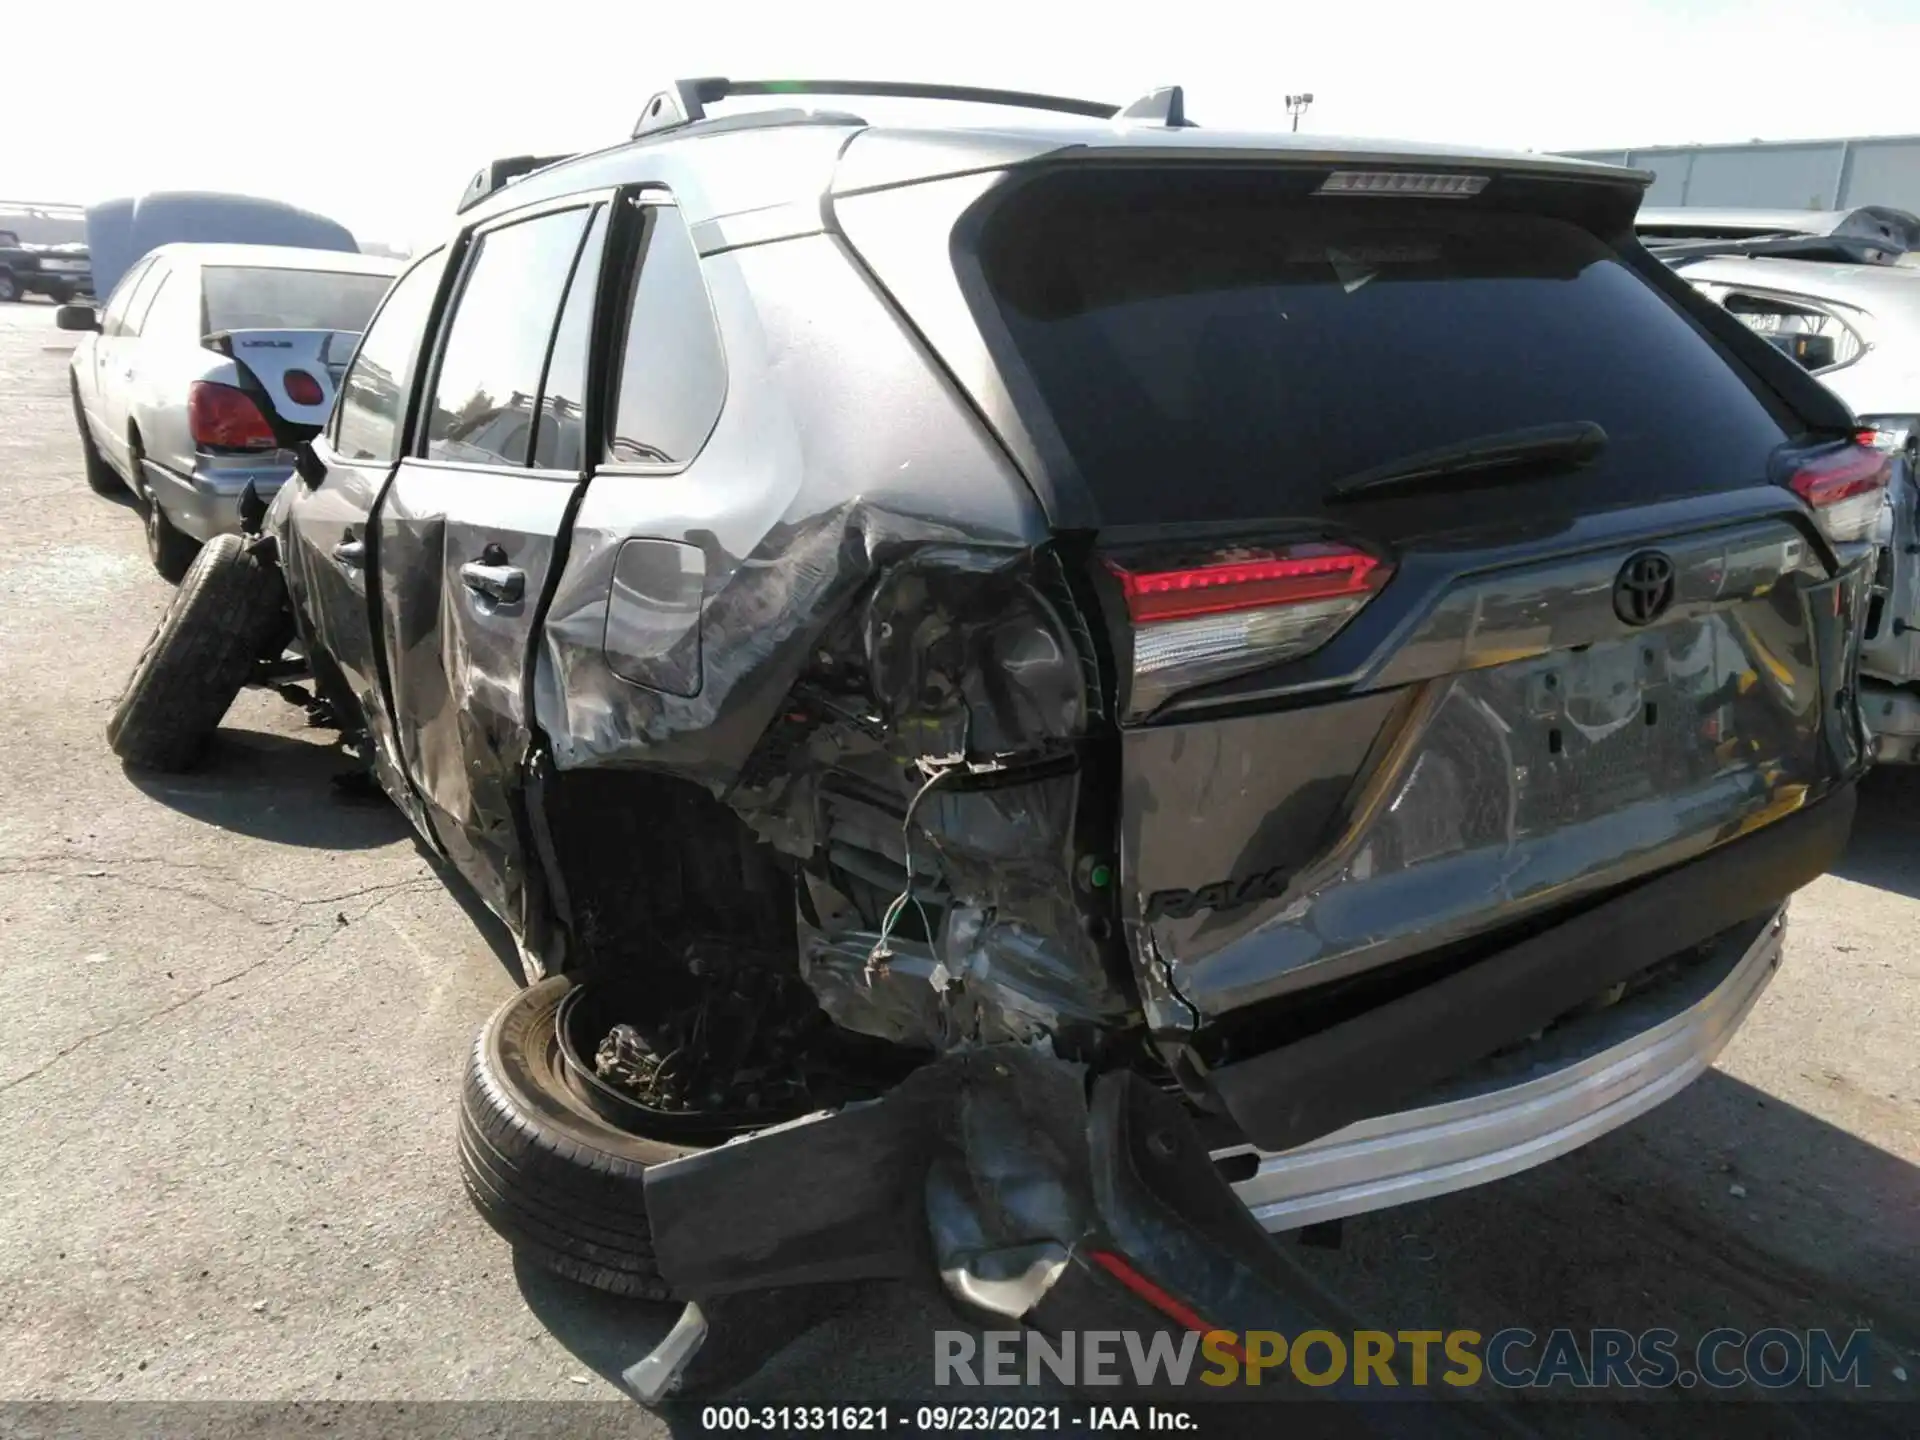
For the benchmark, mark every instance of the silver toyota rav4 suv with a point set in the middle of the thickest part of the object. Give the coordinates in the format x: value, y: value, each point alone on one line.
x: 1049, y: 698
x: 1839, y: 291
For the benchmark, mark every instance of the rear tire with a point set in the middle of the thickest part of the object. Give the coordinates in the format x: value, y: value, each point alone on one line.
x: 170, y: 550
x: 101, y: 478
x: 9, y: 287
x: 226, y: 615
x: 560, y: 1184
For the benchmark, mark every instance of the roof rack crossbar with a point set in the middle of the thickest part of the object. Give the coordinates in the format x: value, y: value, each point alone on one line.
x: 686, y: 102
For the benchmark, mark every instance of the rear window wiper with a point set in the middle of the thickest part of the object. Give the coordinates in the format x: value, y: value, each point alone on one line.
x: 1504, y: 457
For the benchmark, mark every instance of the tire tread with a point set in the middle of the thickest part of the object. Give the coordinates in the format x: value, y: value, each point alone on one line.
x: 569, y: 1206
x: 222, y: 618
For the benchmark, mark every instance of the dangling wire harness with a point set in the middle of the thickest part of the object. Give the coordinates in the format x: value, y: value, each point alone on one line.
x: 937, y: 769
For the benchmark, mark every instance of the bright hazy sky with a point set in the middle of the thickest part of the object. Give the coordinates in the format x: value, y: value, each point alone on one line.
x: 377, y: 113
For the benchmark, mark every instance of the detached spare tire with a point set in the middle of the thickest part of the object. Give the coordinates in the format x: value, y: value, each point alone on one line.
x: 228, y: 612
x: 560, y: 1183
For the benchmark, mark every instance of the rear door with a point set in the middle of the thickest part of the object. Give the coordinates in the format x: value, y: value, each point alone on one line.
x: 99, y: 349
x: 326, y: 545
x: 113, y: 359
x: 136, y: 362
x: 467, y: 533
x: 1444, y: 552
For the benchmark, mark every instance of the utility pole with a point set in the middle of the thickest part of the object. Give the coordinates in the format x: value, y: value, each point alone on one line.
x: 1297, y: 106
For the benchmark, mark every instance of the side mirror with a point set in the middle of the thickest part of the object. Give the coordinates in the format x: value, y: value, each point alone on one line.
x: 307, y: 465
x: 77, y: 317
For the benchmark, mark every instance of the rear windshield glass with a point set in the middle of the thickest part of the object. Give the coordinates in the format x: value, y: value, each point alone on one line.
x: 244, y: 298
x: 1213, y: 347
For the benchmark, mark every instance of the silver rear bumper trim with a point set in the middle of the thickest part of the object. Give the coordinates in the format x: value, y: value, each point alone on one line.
x: 1499, y: 1130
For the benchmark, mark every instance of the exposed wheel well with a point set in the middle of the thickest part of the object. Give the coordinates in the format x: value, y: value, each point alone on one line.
x: 134, y: 478
x: 652, y: 870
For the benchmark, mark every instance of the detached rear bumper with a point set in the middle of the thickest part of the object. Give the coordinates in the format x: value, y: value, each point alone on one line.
x: 1590, y: 1076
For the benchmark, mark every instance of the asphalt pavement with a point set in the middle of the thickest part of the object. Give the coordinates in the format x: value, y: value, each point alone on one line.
x: 238, y: 1007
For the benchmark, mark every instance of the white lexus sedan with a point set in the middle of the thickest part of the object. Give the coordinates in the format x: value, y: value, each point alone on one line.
x: 202, y: 366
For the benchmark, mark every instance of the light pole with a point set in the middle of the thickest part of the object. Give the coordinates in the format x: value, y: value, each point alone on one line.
x: 1297, y: 106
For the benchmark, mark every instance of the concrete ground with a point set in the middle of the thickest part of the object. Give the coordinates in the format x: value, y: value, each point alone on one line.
x: 238, y: 1008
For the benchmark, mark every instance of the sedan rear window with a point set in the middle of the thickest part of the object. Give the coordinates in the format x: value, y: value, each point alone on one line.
x: 1223, y: 346
x: 265, y: 298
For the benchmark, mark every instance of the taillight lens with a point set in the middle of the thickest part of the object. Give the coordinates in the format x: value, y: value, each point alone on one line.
x: 1846, y: 488
x: 302, y: 388
x: 1893, y: 434
x: 1202, y: 623
x: 223, y: 418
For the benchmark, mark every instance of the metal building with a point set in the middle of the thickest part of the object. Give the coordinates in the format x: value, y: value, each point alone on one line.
x: 1780, y: 174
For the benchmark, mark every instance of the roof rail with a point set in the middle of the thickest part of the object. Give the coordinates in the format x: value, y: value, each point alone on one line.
x: 500, y: 173
x: 686, y: 102
x: 1835, y: 249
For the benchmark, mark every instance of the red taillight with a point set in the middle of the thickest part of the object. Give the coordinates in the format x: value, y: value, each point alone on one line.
x: 1201, y: 623
x: 1846, y: 489
x: 223, y: 418
x: 302, y: 388
x: 1304, y: 573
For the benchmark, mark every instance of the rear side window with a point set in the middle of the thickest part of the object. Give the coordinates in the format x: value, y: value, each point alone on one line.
x: 373, y: 396
x: 247, y: 298
x: 142, y: 296
x: 496, y: 347
x: 1220, y: 346
x: 673, y: 374
x: 140, y: 315
x: 113, y: 320
x: 559, y: 440
x: 175, y: 311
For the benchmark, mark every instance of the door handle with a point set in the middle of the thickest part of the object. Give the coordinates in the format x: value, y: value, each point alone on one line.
x: 503, y: 583
x: 351, y: 552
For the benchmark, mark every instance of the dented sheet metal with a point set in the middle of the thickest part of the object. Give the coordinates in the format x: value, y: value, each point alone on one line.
x: 463, y: 556
x: 838, y: 637
x: 1492, y: 787
x: 797, y: 501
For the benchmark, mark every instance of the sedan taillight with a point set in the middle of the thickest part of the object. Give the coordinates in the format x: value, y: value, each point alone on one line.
x: 1846, y: 488
x: 220, y: 417
x: 1202, y: 623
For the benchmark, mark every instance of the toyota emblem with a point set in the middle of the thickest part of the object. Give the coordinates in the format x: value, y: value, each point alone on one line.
x: 1644, y: 588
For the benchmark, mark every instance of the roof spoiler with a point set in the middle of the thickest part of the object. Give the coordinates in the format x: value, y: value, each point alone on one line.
x: 500, y: 173
x: 685, y: 103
